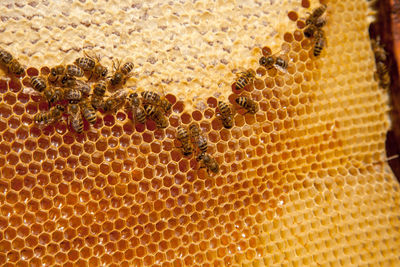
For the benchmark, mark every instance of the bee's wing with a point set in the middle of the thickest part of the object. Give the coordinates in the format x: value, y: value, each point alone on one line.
x: 86, y: 54
x: 121, y: 93
x: 202, y: 138
x: 83, y: 87
x: 92, y: 55
x: 240, y: 72
x: 52, y: 119
x: 276, y: 53
x: 284, y: 56
x: 116, y: 63
x: 30, y: 91
x: 281, y: 69
x: 134, y: 115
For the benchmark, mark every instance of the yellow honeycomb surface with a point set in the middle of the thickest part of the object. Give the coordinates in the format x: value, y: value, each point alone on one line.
x: 303, y: 182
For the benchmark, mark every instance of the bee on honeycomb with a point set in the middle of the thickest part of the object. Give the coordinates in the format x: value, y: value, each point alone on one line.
x: 183, y: 136
x: 92, y: 65
x: 245, y: 78
x: 11, y: 63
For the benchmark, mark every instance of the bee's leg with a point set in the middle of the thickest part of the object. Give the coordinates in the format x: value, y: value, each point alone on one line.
x: 113, y: 65
x: 134, y: 117
x: 49, y: 101
x: 86, y: 54
x: 97, y: 57
x: 91, y: 75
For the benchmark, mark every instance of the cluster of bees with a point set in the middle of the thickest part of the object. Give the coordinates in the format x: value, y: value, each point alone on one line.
x: 382, y: 71
x: 65, y: 91
x: 195, y: 136
x: 63, y: 83
x: 314, y: 22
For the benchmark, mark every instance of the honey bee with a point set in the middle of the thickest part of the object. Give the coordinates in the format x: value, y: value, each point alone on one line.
x: 83, y: 87
x: 272, y: 61
x: 312, y: 28
x: 5, y: 57
x: 53, y: 94
x: 318, y: 12
x: 140, y: 115
x: 56, y: 74
x: 15, y: 67
x: 150, y: 110
x: 92, y: 64
x: 225, y: 114
x: 127, y: 67
x: 121, y: 74
x: 89, y: 113
x: 116, y: 100
x: 73, y: 95
x: 208, y: 162
x: 12, y: 64
x: 194, y: 132
x: 183, y: 137
x: 245, y: 78
x: 379, y: 51
x: 156, y: 115
x: 85, y: 63
x: 198, y: 138
x: 38, y: 83
x: 75, y: 118
x: 155, y: 99
x: 50, y: 116
x: 280, y: 62
x: 250, y: 105
x: 99, y: 90
x: 74, y: 71
x: 382, y: 74
x: 138, y: 111
x: 319, y: 42
x: 150, y: 97
x: 97, y: 102
x: 267, y: 62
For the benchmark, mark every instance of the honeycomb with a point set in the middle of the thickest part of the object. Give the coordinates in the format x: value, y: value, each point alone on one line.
x: 303, y: 182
